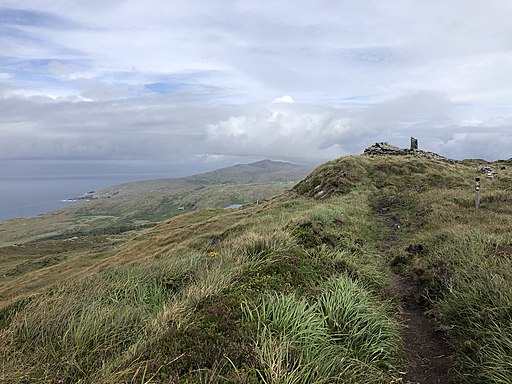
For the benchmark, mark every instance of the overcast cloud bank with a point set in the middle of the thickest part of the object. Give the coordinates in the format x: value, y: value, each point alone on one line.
x: 158, y: 83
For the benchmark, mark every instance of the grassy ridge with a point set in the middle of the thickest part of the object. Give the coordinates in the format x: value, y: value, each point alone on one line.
x: 298, y: 289
x: 179, y: 304
x: 460, y: 258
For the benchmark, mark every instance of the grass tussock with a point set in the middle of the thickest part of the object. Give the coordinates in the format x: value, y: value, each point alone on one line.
x: 342, y: 336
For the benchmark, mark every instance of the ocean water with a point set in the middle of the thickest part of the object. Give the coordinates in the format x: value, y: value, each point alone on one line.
x: 31, y: 196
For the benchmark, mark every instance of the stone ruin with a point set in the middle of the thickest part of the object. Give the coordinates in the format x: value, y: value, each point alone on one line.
x: 384, y: 148
x: 414, y: 143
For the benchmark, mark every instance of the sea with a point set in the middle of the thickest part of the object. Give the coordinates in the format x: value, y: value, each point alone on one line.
x: 31, y: 196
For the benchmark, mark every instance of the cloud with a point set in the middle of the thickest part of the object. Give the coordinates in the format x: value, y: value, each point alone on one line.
x: 163, y: 128
x: 284, y: 99
x: 63, y: 69
x: 322, y: 51
x: 483, y: 143
x: 161, y: 81
x: 282, y: 130
x: 98, y: 90
x: 180, y: 129
x: 412, y: 108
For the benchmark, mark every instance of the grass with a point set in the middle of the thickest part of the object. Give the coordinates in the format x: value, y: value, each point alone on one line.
x: 296, y: 289
x: 343, y: 336
x: 167, y: 304
x: 474, y: 300
x: 460, y: 258
x: 82, y: 334
x: 360, y: 322
x: 33, y: 267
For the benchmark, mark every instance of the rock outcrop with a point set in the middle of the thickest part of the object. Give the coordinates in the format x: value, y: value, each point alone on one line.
x: 488, y: 170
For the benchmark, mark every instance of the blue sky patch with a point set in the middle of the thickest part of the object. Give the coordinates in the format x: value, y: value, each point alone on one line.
x: 163, y: 88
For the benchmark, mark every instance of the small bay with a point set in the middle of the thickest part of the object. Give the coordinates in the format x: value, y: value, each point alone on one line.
x: 31, y: 196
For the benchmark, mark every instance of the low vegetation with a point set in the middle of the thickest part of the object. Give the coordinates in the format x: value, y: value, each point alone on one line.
x: 297, y: 289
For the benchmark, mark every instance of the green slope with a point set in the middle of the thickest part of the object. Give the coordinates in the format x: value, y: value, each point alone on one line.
x: 298, y: 289
x: 140, y: 204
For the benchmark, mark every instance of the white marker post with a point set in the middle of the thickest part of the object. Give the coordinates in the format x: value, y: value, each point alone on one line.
x: 477, y: 192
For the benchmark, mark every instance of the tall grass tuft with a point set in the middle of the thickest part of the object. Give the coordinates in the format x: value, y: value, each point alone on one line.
x: 290, y: 331
x: 360, y: 322
x: 478, y: 314
x: 344, y: 336
x: 257, y: 247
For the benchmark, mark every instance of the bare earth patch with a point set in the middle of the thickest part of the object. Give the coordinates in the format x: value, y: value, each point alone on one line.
x: 428, y: 353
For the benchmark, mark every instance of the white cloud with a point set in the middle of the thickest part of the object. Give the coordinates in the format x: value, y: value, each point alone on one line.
x: 471, y: 123
x: 284, y: 99
x: 481, y: 144
x: 292, y: 132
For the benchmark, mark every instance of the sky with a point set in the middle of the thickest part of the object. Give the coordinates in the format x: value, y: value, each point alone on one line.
x: 154, y: 85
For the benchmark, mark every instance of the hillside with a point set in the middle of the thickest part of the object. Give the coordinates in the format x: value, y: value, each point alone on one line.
x: 373, y: 269
x: 265, y: 171
x: 143, y: 203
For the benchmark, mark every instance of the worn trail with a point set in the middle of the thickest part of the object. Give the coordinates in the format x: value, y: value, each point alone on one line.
x: 428, y: 353
x: 429, y: 357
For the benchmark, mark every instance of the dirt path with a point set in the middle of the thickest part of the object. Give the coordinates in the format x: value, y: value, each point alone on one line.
x: 428, y: 353
x: 429, y: 357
